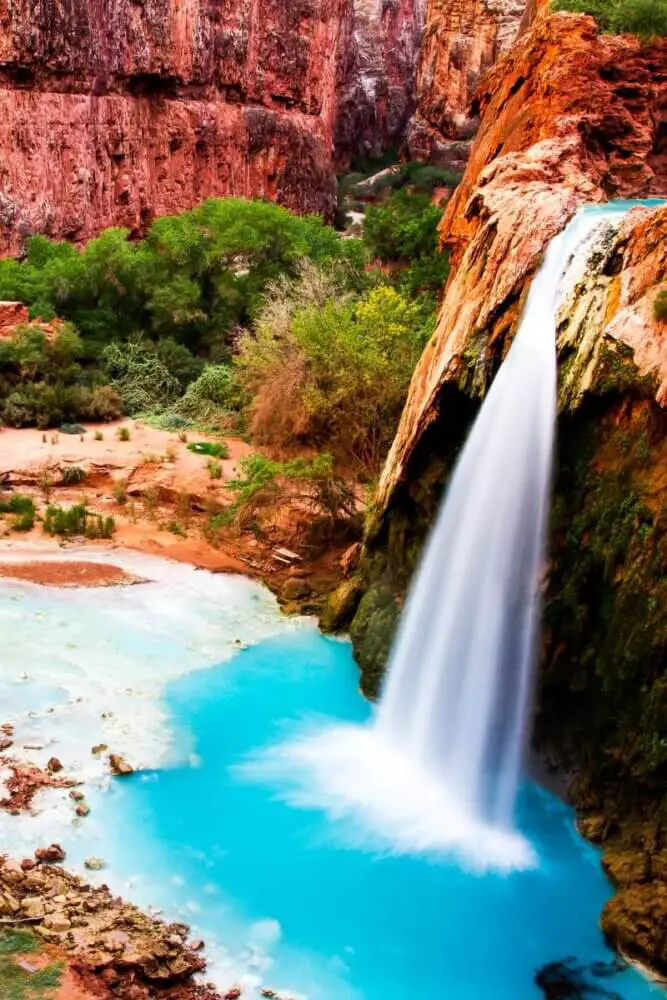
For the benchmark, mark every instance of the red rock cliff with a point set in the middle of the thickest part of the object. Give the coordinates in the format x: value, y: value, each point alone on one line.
x: 112, y: 114
x: 378, y: 93
x: 568, y: 116
x: 115, y: 113
x: 462, y: 39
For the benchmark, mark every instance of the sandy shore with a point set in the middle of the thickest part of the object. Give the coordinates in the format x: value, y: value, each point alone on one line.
x: 161, y: 496
x: 54, y: 573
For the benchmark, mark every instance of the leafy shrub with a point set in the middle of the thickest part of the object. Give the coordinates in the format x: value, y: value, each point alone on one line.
x: 105, y: 404
x: 215, y: 393
x: 23, y: 509
x: 645, y: 18
x: 660, y: 306
x: 41, y: 382
x: 72, y: 475
x: 403, y: 227
x: 192, y: 278
x: 330, y: 370
x: 123, y: 433
x: 18, y: 503
x: 77, y: 520
x: 138, y: 375
x: 404, y: 230
x: 215, y: 449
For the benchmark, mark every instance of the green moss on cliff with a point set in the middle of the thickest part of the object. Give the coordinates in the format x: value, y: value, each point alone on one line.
x: 606, y: 609
x: 616, y: 371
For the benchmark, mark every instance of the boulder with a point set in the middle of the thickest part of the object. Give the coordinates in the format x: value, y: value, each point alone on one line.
x: 119, y: 766
x: 33, y: 906
x: 51, y: 854
x: 54, y: 765
x: 295, y: 589
x: 57, y: 922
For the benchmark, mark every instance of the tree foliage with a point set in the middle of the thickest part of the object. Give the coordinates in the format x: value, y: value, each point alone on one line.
x: 645, y: 18
x: 193, y: 277
x: 43, y: 381
x: 328, y: 368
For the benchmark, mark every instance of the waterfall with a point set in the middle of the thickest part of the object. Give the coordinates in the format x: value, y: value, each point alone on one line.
x: 438, y: 769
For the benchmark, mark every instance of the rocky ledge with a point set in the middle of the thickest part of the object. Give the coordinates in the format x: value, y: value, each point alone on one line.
x: 131, y: 955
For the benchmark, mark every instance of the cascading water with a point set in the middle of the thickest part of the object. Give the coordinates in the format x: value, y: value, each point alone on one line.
x: 439, y: 768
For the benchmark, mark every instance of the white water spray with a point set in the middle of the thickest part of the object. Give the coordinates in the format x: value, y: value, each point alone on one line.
x: 439, y: 768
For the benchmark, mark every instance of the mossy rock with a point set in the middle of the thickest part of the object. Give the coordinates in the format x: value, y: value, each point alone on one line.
x: 372, y: 631
x: 341, y: 605
x: 295, y: 588
x: 634, y: 923
x: 625, y: 866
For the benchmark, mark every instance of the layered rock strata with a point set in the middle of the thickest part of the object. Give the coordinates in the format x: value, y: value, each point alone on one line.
x: 115, y: 115
x: 462, y: 40
x: 111, y: 116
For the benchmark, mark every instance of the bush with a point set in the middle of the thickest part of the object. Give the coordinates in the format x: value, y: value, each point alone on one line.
x: 645, y: 18
x: 660, y: 306
x: 331, y: 370
x: 212, y: 397
x: 192, y: 278
x: 77, y: 520
x: 23, y: 509
x: 214, y: 469
x: 73, y: 475
x: 123, y: 433
x: 42, y: 382
x: 215, y: 449
x: 402, y: 228
x: 137, y: 374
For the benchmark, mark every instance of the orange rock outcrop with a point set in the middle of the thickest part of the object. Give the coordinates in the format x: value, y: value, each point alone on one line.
x: 569, y: 116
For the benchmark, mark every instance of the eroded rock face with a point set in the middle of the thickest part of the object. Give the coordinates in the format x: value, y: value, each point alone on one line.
x: 569, y: 117
x: 462, y: 39
x: 379, y: 75
x: 112, y: 115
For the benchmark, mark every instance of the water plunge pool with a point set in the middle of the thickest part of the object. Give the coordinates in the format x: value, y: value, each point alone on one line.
x: 283, y: 897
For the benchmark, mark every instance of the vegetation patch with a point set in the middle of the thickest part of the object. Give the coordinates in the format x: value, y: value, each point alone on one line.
x: 645, y: 18
x: 214, y: 449
x: 23, y: 510
x: 15, y: 982
x: 660, y: 306
x: 77, y: 520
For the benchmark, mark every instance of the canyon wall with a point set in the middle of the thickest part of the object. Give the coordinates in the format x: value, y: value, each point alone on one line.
x: 378, y: 91
x: 569, y: 116
x: 462, y: 39
x: 114, y: 113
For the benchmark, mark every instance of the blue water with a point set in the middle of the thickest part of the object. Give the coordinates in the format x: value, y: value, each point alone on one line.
x: 338, y: 923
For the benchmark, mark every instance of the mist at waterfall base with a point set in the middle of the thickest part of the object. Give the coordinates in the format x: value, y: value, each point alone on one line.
x: 438, y: 769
